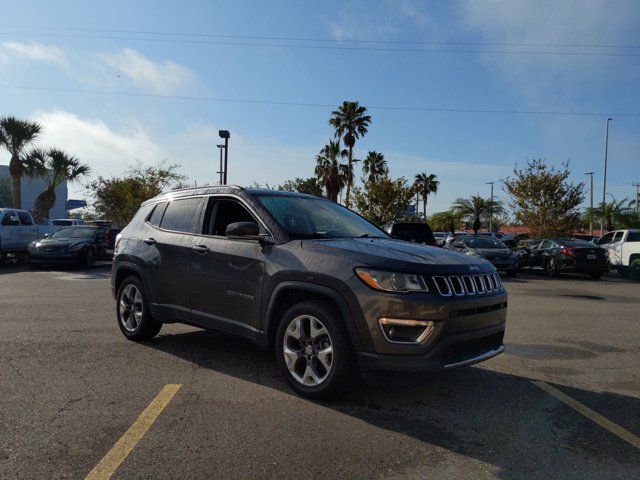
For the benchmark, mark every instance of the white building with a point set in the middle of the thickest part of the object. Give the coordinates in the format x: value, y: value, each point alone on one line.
x: 31, y: 188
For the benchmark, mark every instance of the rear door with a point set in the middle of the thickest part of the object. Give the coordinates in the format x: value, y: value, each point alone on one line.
x: 546, y: 250
x: 227, y: 275
x: 169, y: 253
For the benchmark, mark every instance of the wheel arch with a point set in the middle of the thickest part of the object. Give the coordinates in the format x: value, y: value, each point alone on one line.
x: 288, y: 293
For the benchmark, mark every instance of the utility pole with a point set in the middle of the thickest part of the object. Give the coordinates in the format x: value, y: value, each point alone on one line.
x: 491, y: 208
x: 221, y: 171
x: 226, y: 135
x: 637, y: 209
x: 590, y: 202
x: 604, y: 176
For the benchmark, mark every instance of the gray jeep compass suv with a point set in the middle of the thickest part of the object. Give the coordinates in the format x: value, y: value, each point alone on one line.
x: 332, y: 294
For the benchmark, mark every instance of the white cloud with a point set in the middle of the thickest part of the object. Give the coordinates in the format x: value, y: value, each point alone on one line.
x: 36, y: 52
x: 156, y: 77
x: 95, y: 143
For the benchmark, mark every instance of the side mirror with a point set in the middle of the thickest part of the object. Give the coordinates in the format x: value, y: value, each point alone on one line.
x: 46, y: 235
x: 243, y: 230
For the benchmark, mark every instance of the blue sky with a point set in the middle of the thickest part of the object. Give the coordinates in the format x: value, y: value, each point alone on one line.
x: 271, y: 143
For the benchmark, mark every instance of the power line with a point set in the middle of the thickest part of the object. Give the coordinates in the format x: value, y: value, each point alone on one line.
x: 332, y: 40
x: 320, y: 105
x: 330, y: 47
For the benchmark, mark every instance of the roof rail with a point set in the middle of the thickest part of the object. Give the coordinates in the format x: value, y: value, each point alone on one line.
x: 206, y: 186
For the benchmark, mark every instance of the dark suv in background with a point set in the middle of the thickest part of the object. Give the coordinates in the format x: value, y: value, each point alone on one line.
x: 331, y: 293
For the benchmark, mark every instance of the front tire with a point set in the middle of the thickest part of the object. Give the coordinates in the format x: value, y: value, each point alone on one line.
x: 89, y: 259
x: 314, y: 350
x: 132, y: 311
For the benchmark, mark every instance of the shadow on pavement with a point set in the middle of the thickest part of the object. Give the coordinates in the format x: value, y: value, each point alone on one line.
x: 497, y: 418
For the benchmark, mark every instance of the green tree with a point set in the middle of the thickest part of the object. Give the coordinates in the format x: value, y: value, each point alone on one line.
x: 310, y: 186
x: 118, y: 198
x: 54, y: 167
x: 15, y: 136
x: 384, y: 200
x: 5, y: 193
x: 330, y: 172
x: 447, y: 221
x: 543, y: 198
x: 425, y: 185
x: 350, y: 122
x: 374, y: 167
x: 475, y: 210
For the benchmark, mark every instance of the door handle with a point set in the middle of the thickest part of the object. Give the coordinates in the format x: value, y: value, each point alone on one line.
x: 201, y: 249
x: 150, y: 241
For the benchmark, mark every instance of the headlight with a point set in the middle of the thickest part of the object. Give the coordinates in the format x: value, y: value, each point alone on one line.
x: 76, y: 246
x: 391, y: 281
x: 473, y: 253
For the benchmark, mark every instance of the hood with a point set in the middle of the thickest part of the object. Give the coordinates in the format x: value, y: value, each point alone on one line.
x: 493, y: 252
x: 390, y: 253
x: 60, y: 242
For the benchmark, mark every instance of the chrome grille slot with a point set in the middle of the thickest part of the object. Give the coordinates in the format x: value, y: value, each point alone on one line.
x: 458, y: 286
x: 442, y: 284
x: 488, y: 282
x: 477, y: 279
x: 469, y: 286
x: 496, y: 279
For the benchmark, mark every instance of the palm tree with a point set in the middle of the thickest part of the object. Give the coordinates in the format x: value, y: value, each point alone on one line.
x: 475, y: 209
x: 351, y: 122
x: 446, y: 221
x: 15, y: 135
x: 375, y: 166
x: 425, y: 185
x: 615, y: 214
x: 54, y: 167
x: 332, y: 175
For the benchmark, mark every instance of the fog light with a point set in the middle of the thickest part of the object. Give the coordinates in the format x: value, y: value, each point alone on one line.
x: 399, y: 330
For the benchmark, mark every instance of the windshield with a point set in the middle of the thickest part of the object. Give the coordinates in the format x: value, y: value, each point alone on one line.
x: 62, y: 223
x: 574, y: 242
x: 483, y: 242
x: 74, y: 232
x: 306, y: 217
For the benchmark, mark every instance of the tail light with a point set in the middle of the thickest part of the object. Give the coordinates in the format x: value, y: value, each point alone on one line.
x: 568, y: 252
x: 106, y: 237
x: 434, y: 243
x: 117, y: 242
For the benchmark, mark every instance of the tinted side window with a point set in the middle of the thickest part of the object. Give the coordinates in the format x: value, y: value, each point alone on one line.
x: 633, y: 237
x: 156, y: 215
x: 182, y: 215
x: 25, y: 219
x: 221, y: 213
x: 606, y: 239
x: 7, y: 220
x: 617, y: 237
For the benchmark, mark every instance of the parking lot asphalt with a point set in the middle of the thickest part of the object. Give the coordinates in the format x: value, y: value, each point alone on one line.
x: 71, y: 385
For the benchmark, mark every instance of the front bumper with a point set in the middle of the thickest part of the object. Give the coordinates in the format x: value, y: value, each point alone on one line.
x: 451, y: 352
x: 505, y: 264
x: 55, y: 257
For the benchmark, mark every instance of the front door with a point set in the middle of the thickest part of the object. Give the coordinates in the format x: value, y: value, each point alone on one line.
x: 226, y: 286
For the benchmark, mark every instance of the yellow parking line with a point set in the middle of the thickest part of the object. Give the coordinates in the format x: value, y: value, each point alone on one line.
x: 127, y: 442
x: 614, y: 428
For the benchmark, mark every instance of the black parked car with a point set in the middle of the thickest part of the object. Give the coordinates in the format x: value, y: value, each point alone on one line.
x: 416, y: 232
x: 557, y: 255
x: 81, y: 245
x: 489, y: 248
x: 332, y: 294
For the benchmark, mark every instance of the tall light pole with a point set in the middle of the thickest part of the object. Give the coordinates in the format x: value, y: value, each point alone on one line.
x: 637, y: 209
x: 590, y: 202
x: 226, y: 135
x: 221, y: 171
x: 604, y: 175
x: 491, y: 208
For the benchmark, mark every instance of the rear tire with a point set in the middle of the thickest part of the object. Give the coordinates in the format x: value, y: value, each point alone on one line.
x: 596, y: 275
x: 89, y: 259
x: 132, y: 311
x: 552, y: 268
x: 634, y: 269
x: 304, y: 362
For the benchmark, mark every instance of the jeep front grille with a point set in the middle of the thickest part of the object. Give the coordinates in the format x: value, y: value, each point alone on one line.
x: 467, y: 285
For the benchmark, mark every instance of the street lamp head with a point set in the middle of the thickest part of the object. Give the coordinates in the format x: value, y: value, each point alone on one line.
x: 224, y: 134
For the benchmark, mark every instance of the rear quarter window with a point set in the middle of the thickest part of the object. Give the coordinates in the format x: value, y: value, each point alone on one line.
x: 156, y: 214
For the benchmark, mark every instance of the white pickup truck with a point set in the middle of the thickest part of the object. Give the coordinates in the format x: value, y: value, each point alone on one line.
x: 623, y: 247
x: 17, y: 230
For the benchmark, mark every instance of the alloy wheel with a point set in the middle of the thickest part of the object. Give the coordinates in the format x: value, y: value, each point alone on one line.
x: 130, y: 308
x: 308, y: 350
